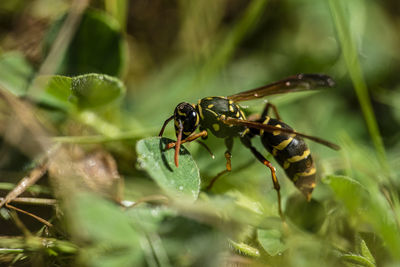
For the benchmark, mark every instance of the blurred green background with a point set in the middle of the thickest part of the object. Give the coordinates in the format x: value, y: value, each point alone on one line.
x: 167, y: 52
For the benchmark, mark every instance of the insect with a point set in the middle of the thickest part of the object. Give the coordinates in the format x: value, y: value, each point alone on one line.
x: 223, y: 117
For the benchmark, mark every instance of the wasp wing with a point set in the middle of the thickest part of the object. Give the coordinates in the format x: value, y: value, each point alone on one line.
x: 270, y: 128
x: 296, y: 83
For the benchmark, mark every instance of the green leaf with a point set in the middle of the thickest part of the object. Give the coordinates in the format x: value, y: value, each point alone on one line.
x: 365, y: 252
x: 85, y: 91
x: 183, y: 181
x: 356, y: 261
x: 270, y: 240
x: 97, y: 46
x: 246, y: 201
x: 105, y: 257
x: 94, y: 90
x: 244, y: 249
x: 149, y: 218
x: 349, y: 191
x: 109, y: 236
x: 101, y: 221
x: 55, y: 91
x: 308, y: 215
x: 15, y: 73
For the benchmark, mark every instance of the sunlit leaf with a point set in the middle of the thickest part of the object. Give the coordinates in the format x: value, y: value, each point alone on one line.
x: 245, y: 249
x: 365, y: 252
x: 94, y: 90
x: 352, y: 260
x: 84, y: 91
x: 159, y: 163
x: 55, y: 90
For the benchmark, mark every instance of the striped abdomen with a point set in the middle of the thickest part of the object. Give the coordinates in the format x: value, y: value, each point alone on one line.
x: 292, y: 154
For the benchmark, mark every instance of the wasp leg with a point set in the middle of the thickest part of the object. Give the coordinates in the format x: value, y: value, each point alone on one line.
x: 178, y: 144
x: 164, y: 125
x: 277, y: 187
x: 206, y: 148
x: 188, y: 139
x: 254, y: 117
x: 228, y: 155
x: 228, y: 168
x: 204, y: 137
x: 266, y: 110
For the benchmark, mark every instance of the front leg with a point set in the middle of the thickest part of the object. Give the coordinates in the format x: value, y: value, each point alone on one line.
x: 165, y: 124
x: 228, y: 167
x: 188, y: 139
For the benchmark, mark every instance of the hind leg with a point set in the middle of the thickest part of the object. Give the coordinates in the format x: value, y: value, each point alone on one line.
x: 263, y: 160
x: 269, y: 106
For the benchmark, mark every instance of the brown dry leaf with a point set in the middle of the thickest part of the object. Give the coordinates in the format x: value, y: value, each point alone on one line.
x: 75, y: 169
x: 71, y: 169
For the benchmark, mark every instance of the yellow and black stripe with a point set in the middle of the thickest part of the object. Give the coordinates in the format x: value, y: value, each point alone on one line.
x: 292, y: 154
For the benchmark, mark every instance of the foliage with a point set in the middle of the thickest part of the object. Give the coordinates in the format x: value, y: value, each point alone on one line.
x: 87, y: 117
x: 178, y: 182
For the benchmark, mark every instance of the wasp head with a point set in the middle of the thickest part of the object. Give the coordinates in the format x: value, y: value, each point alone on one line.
x: 186, y: 119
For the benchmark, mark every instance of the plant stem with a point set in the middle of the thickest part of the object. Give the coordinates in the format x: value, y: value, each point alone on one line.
x: 350, y: 55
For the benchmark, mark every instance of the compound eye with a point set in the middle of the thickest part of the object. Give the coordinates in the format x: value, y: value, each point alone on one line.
x: 192, y: 115
x: 190, y: 119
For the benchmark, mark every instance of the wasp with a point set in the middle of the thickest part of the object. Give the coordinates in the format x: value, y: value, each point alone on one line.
x: 224, y: 118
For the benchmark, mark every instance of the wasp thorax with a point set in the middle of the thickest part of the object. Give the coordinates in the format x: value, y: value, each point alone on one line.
x: 185, y: 115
